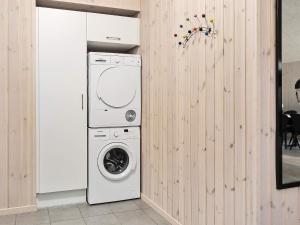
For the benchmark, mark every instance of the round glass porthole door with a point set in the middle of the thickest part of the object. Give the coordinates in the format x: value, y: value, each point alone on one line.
x: 116, y: 162
x: 117, y: 86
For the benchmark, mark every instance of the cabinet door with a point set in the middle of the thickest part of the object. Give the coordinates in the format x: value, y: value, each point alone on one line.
x: 112, y: 30
x: 62, y: 111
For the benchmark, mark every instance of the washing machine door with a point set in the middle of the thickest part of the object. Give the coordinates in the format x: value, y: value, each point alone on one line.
x: 117, y: 86
x: 116, y: 161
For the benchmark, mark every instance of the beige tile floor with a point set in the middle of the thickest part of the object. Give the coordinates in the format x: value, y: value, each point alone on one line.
x: 134, y: 212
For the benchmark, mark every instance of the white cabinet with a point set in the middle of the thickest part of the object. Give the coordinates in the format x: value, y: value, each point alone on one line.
x: 61, y: 100
x: 114, y: 32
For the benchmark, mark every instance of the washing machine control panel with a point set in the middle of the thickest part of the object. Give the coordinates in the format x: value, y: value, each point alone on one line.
x: 116, y: 133
x: 124, y: 133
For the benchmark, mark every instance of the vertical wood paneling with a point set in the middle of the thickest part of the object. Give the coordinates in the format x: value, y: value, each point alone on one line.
x: 276, y: 207
x: 164, y: 102
x: 186, y: 180
x: 265, y: 110
x: 145, y: 25
x: 4, y: 104
x: 240, y: 112
x: 210, y: 119
x: 202, y: 91
x: 21, y: 104
x: 219, y: 117
x: 196, y: 209
x: 251, y: 113
x: 171, y: 111
x: 17, y: 119
x: 229, y: 123
x: 152, y: 74
x: 158, y: 109
x: 219, y: 113
x: 182, y: 100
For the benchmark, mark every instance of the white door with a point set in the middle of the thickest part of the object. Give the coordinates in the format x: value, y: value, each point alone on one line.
x: 62, y: 111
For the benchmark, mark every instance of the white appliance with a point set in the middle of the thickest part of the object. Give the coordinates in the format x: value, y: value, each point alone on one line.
x: 114, y: 90
x: 114, y: 164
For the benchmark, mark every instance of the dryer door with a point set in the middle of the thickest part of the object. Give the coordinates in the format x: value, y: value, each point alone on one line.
x: 117, y: 86
x: 116, y: 161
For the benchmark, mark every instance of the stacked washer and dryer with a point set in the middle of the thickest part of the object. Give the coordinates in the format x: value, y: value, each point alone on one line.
x: 114, y: 93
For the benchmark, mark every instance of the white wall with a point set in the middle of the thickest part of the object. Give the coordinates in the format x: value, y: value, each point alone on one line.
x: 291, y: 30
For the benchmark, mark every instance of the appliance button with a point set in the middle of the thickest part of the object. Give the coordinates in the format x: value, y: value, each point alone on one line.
x: 116, y: 60
x: 116, y: 134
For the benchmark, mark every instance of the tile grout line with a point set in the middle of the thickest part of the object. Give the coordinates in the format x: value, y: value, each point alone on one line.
x: 83, y: 219
x: 149, y: 216
x: 114, y: 213
x: 48, y: 215
x: 139, y: 209
x: 120, y: 223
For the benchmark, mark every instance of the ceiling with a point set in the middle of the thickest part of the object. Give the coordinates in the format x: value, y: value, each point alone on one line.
x: 291, y: 30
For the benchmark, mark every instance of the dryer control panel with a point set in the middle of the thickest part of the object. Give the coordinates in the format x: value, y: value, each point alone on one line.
x: 96, y: 58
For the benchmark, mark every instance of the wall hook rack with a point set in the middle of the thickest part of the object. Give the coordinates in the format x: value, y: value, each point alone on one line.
x: 208, y: 29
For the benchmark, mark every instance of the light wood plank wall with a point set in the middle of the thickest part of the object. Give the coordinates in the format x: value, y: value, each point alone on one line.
x: 276, y: 207
x: 17, y: 117
x: 208, y: 114
x: 208, y: 129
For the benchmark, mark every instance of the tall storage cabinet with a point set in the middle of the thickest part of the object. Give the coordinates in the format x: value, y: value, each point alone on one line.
x: 61, y: 98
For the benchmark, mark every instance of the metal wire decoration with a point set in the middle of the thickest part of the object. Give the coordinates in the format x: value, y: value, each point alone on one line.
x: 208, y: 29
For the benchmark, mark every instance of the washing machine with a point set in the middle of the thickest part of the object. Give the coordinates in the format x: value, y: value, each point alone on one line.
x: 114, y: 165
x: 114, y: 90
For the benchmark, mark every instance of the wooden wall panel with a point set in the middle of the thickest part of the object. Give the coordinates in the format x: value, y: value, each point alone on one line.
x: 17, y: 152
x: 277, y: 207
x: 21, y: 104
x: 240, y: 111
x: 229, y: 124
x: 251, y: 126
x: 4, y: 104
x: 207, y: 117
x: 220, y: 116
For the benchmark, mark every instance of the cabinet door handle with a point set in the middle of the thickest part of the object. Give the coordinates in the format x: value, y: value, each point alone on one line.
x: 82, y: 102
x: 114, y: 38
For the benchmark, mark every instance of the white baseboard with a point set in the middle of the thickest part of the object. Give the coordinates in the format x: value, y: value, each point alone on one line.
x: 162, y: 212
x: 61, y: 198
